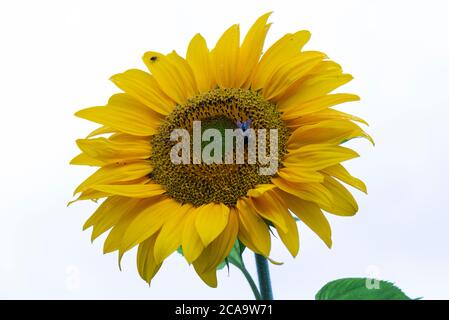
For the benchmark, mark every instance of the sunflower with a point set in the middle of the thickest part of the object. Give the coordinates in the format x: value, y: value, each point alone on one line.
x: 160, y: 206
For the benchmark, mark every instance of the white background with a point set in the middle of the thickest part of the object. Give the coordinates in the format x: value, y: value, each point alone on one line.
x: 56, y: 58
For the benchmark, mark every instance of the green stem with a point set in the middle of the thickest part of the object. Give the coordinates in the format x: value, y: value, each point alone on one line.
x: 263, y: 273
x: 251, y: 282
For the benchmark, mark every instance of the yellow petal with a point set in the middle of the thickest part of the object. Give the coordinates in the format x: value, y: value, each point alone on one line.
x: 103, y: 210
x: 185, y: 71
x: 192, y: 246
x: 170, y: 236
x: 90, y: 194
x: 289, y: 235
x: 251, y: 50
x: 292, y: 110
x: 84, y: 160
x: 339, y: 172
x: 299, y: 174
x: 219, y: 249
x: 318, y: 156
x: 314, y: 87
x: 343, y: 203
x: 290, y: 72
x: 173, y: 74
x: 269, y: 208
x: 115, y: 236
x: 132, y: 190
x: 314, y: 192
x: 326, y: 132
x: 142, y: 86
x: 209, y: 277
x: 94, y: 195
x: 121, y: 137
x: 210, y: 221
x: 260, y: 189
x: 324, y: 71
x: 198, y: 57
x: 107, y: 150
x: 148, y: 221
x: 310, y: 214
x: 273, y: 209
x: 326, y: 68
x: 108, y: 214
x: 112, y: 217
x: 283, y: 50
x: 253, y: 231
x: 125, y: 114
x: 116, y: 172
x: 320, y: 116
x: 225, y: 57
x: 101, y: 130
x: 277, y: 263
x: 146, y: 264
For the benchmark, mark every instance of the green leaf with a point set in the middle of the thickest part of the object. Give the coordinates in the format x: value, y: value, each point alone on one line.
x: 360, y: 289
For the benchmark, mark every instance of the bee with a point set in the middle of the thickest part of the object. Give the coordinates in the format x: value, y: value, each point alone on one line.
x: 245, y: 125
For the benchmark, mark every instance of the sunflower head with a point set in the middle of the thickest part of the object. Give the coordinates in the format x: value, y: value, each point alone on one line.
x: 278, y: 103
x: 220, y: 109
